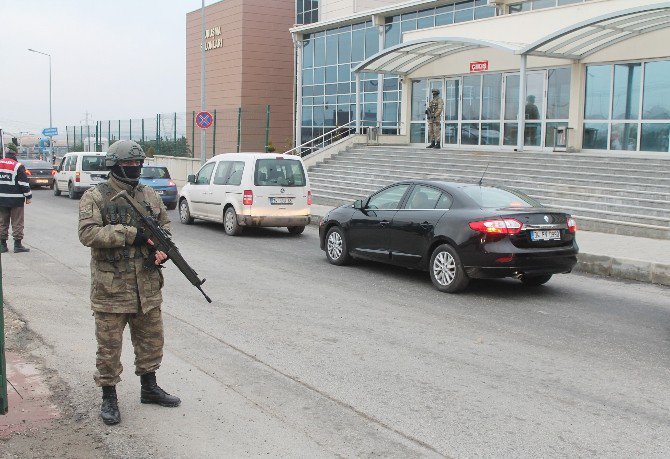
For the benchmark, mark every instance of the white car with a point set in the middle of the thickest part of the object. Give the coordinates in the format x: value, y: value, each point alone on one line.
x: 249, y: 189
x: 77, y: 172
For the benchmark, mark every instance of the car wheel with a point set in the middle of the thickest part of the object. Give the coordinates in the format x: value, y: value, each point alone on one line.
x: 55, y: 188
x: 70, y: 191
x: 535, y: 281
x: 446, y: 270
x: 230, y: 224
x: 336, y: 247
x: 296, y: 229
x: 171, y: 206
x: 185, y: 213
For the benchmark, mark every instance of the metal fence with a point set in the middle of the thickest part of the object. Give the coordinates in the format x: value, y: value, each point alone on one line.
x: 234, y: 129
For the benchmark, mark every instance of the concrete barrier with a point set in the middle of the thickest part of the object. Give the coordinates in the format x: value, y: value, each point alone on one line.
x: 180, y: 168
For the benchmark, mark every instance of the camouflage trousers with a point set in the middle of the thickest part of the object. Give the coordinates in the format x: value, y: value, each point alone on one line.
x: 15, y: 216
x: 434, y: 131
x: 146, y: 333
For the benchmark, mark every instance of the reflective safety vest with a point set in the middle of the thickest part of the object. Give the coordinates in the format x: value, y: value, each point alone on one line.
x: 14, y: 186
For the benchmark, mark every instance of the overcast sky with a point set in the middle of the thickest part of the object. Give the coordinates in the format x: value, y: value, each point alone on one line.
x: 112, y: 58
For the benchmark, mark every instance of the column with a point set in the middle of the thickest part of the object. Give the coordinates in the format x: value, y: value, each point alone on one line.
x: 577, y: 100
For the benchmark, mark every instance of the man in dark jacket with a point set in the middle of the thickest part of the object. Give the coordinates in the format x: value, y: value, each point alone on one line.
x: 14, y: 193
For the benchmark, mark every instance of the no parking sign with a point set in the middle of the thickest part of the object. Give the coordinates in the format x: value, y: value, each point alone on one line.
x: 204, y: 120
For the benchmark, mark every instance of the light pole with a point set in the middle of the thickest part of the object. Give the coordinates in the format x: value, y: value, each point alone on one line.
x: 51, y: 140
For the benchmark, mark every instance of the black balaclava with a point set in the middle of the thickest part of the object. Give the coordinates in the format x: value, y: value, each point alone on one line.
x: 127, y: 174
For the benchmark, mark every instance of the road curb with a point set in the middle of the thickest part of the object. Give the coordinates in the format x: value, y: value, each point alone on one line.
x: 624, y: 268
x: 602, y: 265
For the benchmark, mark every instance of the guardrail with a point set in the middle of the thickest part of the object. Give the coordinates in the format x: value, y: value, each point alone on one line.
x: 324, y: 140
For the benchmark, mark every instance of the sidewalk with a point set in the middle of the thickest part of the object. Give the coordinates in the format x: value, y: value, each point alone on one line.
x: 604, y: 254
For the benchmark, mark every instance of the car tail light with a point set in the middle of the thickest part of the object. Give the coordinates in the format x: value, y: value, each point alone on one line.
x: 53, y: 172
x: 248, y: 198
x: 77, y: 176
x: 497, y: 226
x: 171, y: 183
x: 309, y: 198
x: 28, y: 172
x: 505, y: 259
x: 572, y: 225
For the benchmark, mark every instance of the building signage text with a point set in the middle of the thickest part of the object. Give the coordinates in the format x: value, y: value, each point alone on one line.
x: 479, y: 66
x: 214, y: 33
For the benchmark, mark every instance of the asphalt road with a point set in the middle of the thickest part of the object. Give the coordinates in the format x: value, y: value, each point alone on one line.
x: 296, y: 357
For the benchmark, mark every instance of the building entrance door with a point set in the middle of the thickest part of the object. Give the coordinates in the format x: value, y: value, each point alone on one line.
x: 534, y: 112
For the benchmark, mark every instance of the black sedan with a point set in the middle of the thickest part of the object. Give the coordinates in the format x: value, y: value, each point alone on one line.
x: 455, y: 231
x: 40, y: 173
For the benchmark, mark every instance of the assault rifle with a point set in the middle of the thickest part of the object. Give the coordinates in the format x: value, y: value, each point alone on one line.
x: 163, y: 242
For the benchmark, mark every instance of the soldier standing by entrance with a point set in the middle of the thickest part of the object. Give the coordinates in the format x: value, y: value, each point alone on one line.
x: 434, y: 113
x: 126, y: 280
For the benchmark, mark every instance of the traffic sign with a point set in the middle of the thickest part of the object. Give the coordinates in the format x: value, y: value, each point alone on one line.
x: 50, y: 132
x: 204, y: 120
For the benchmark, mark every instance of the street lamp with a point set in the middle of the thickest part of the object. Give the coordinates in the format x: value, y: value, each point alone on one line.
x: 51, y: 140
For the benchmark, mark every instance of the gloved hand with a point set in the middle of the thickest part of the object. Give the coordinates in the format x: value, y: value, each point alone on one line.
x: 140, y: 238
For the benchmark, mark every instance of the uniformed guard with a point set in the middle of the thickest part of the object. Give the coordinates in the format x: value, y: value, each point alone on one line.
x: 126, y: 279
x: 434, y: 114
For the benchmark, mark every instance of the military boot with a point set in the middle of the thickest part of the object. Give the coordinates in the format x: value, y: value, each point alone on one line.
x: 109, y: 411
x: 152, y: 393
x: 432, y: 145
x: 437, y: 145
x: 19, y: 248
x: 3, y: 246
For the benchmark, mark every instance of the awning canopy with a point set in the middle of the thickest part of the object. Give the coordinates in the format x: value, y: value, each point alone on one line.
x: 406, y: 57
x: 575, y: 42
x: 588, y: 37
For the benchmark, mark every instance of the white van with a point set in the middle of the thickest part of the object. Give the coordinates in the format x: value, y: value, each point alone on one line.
x: 77, y: 172
x: 249, y: 189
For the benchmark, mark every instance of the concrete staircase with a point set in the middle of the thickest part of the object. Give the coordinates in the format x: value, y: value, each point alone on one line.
x: 629, y: 196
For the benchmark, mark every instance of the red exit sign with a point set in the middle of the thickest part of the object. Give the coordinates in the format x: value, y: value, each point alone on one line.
x: 479, y: 66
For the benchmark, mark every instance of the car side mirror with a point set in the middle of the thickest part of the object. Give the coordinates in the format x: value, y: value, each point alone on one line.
x: 358, y: 204
x: 191, y: 178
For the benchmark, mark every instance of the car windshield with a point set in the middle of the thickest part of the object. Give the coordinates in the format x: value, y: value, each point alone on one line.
x: 93, y: 163
x: 279, y: 172
x: 155, y: 173
x: 488, y: 197
x: 33, y: 164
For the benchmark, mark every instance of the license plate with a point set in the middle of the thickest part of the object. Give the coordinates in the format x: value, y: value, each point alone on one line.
x: 160, y: 191
x: 41, y: 181
x: 553, y: 235
x: 280, y: 201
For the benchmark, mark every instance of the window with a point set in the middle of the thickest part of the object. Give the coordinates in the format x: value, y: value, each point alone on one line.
x: 423, y: 197
x: 279, y: 172
x: 221, y: 173
x: 596, y: 106
x: 498, y: 198
x: 93, y: 163
x: 444, y: 202
x: 205, y: 174
x: 235, y: 174
x: 388, y: 199
x: 151, y: 172
x: 307, y: 11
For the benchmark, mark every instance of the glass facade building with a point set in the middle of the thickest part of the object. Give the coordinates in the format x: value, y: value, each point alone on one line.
x: 327, y: 95
x: 618, y: 105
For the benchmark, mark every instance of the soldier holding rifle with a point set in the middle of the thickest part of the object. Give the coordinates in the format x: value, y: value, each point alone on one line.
x: 434, y: 114
x: 126, y: 279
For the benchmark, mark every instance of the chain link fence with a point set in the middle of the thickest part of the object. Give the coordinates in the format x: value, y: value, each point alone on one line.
x: 234, y: 129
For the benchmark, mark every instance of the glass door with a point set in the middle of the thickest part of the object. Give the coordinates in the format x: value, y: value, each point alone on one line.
x: 451, y: 98
x: 418, y: 131
x: 534, y: 108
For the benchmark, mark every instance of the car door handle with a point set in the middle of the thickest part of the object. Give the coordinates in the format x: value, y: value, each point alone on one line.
x: 426, y: 225
x: 384, y: 222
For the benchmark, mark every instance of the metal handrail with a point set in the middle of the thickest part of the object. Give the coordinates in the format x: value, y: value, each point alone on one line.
x: 298, y: 150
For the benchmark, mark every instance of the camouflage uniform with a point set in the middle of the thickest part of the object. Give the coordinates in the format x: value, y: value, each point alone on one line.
x: 123, y: 290
x: 435, y: 108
